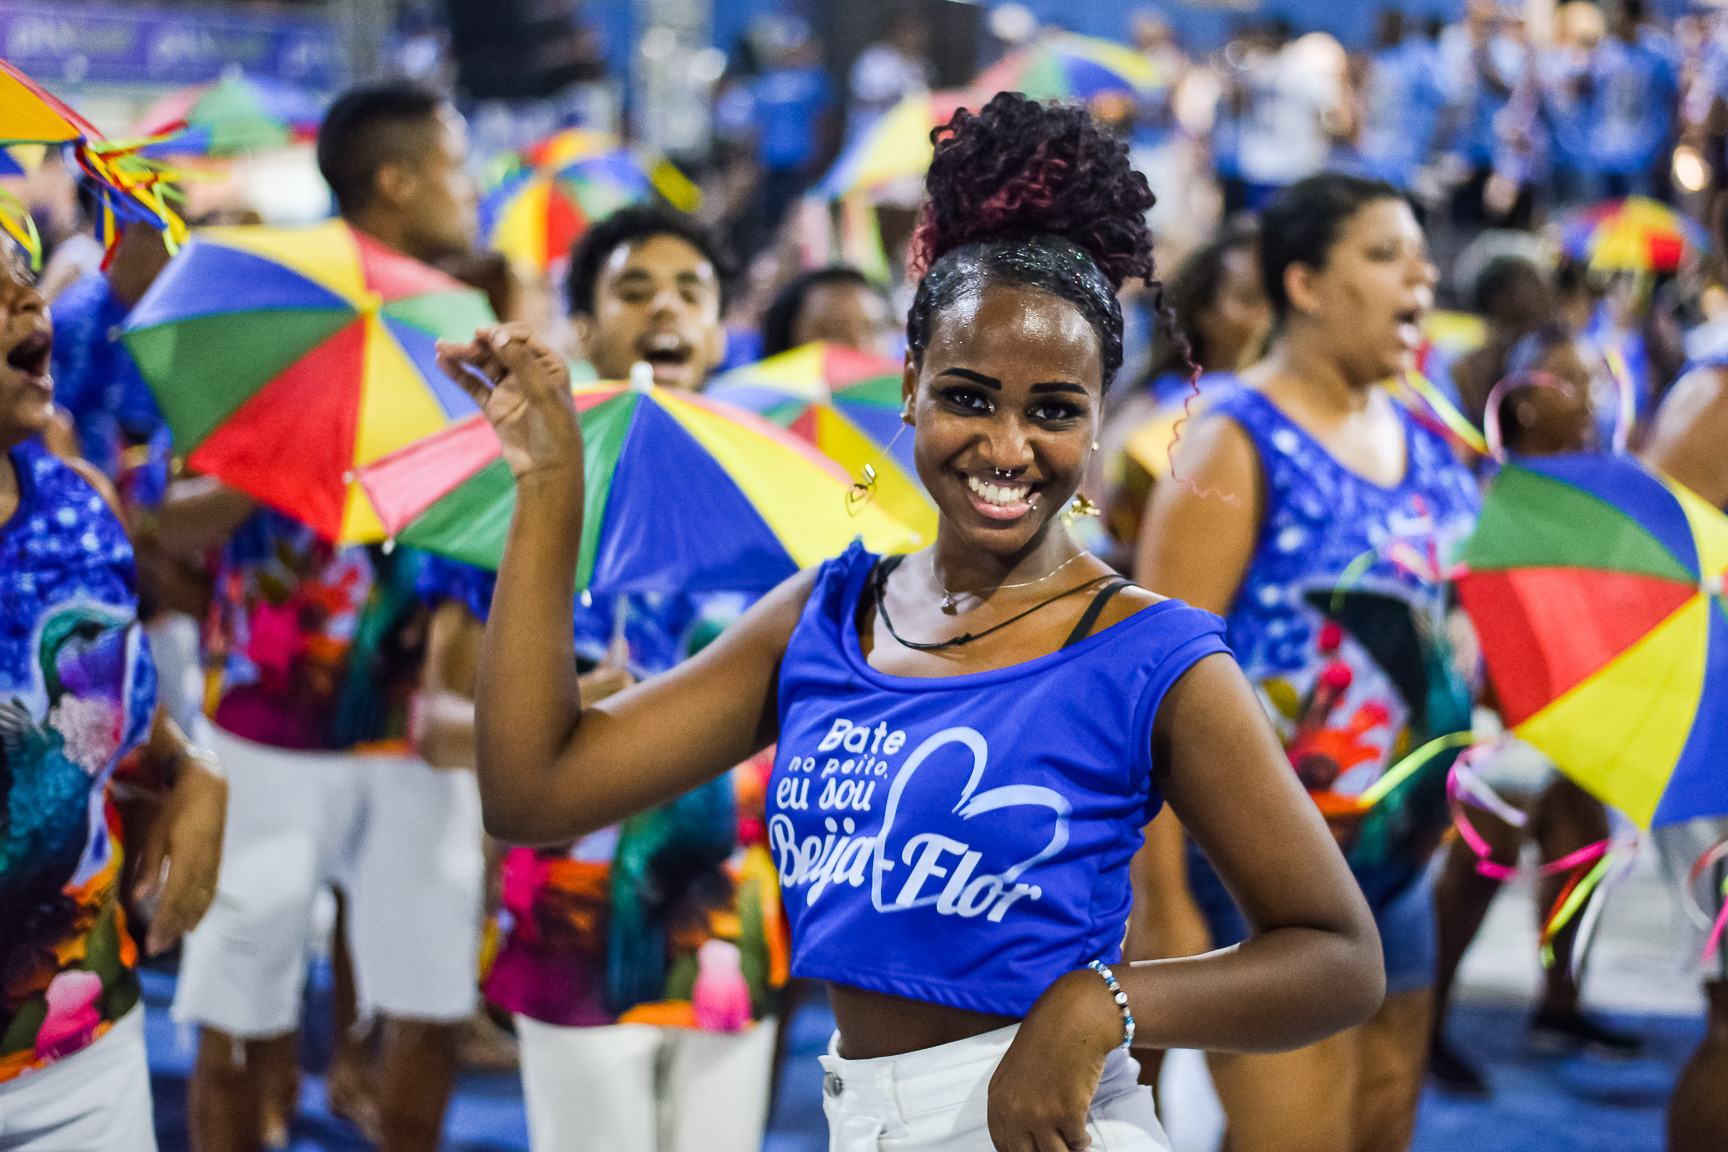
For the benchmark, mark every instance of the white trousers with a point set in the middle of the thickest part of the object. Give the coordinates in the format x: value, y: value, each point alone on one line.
x: 95, y: 1100
x: 640, y: 1088
x: 934, y: 1100
x: 401, y: 838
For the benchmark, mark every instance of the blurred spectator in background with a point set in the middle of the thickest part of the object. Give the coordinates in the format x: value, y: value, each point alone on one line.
x: 792, y: 100
x: 1482, y: 60
x: 888, y: 70
x: 836, y: 304
x: 1215, y: 322
x: 1158, y: 144
x: 1566, y: 88
x: 1633, y: 87
x: 94, y: 377
x: 1294, y: 102
x: 1400, y: 102
x: 1218, y: 318
x: 1511, y: 294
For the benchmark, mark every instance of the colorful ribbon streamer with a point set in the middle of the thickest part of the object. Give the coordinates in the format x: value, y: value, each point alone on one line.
x: 131, y: 188
x: 1445, y: 411
x: 15, y: 219
x: 1719, y: 852
x: 1463, y: 787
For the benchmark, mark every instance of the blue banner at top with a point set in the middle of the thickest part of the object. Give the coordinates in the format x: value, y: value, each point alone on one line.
x: 80, y: 42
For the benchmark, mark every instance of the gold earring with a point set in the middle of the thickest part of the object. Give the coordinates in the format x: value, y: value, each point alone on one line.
x: 861, y: 491
x: 1081, y: 506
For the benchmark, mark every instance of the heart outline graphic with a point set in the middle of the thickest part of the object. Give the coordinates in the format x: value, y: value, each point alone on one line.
x: 968, y: 806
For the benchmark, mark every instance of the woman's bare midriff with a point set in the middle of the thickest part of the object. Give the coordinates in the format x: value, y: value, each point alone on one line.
x: 874, y: 1024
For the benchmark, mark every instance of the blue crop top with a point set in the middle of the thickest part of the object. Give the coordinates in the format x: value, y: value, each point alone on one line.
x: 965, y: 840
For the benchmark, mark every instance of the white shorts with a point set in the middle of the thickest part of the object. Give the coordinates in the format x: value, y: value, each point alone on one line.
x: 639, y: 1088
x: 95, y: 1100
x: 934, y: 1100
x: 402, y: 839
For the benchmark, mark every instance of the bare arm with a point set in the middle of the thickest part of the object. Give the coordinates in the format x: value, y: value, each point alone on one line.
x: 1311, y: 967
x: 1201, y: 523
x: 1690, y: 438
x: 444, y: 712
x: 1164, y: 921
x: 183, y: 850
x: 200, y: 513
x: 1196, y: 544
x: 551, y: 770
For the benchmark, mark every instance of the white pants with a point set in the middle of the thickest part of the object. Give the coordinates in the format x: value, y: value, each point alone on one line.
x: 402, y: 839
x: 640, y: 1088
x: 95, y: 1100
x: 934, y: 1100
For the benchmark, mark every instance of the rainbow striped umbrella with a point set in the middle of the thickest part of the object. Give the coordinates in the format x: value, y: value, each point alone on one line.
x: 1596, y: 588
x: 683, y: 494
x: 847, y: 404
x: 894, y: 149
x: 232, y: 116
x: 536, y: 214
x: 1636, y: 234
x: 283, y: 359
x: 1066, y: 66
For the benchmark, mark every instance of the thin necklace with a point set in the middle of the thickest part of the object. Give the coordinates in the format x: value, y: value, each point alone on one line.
x: 880, y: 580
x: 950, y: 599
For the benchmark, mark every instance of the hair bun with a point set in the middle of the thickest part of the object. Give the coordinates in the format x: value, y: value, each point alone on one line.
x: 1018, y: 167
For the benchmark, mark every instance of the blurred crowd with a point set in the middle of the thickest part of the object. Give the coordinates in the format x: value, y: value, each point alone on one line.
x: 1498, y: 133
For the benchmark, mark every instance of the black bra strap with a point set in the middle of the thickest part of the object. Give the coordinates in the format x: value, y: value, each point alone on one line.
x: 1094, y: 610
x: 884, y: 569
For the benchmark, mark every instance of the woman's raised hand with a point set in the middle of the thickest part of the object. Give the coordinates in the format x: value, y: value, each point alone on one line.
x: 523, y: 388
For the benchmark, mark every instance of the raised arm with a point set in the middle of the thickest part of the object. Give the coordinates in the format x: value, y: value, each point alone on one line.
x: 550, y: 769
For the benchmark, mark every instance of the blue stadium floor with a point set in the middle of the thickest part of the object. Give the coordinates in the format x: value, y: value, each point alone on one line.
x: 1542, y: 1104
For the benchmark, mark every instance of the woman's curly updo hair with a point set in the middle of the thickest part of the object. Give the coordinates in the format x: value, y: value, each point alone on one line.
x: 1030, y: 194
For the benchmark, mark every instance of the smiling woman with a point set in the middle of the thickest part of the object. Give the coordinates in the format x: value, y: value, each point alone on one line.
x: 969, y: 738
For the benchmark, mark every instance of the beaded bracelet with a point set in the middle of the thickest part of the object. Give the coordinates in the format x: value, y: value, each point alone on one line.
x: 1120, y: 997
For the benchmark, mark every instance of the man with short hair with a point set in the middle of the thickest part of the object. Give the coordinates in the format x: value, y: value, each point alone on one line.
x: 312, y: 653
x: 648, y: 284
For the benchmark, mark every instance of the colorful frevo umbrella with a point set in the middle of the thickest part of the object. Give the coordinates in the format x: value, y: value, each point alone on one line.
x: 544, y: 197
x: 1595, y: 586
x: 847, y: 404
x: 1636, y: 234
x: 232, y: 116
x: 127, y: 186
x: 1066, y: 66
x: 535, y: 215
x: 682, y: 494
x: 895, y: 149
x: 283, y: 359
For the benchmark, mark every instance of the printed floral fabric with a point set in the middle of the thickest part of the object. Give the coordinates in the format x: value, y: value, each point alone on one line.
x: 77, y: 693
x: 670, y: 918
x: 1340, y: 620
x: 309, y: 646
